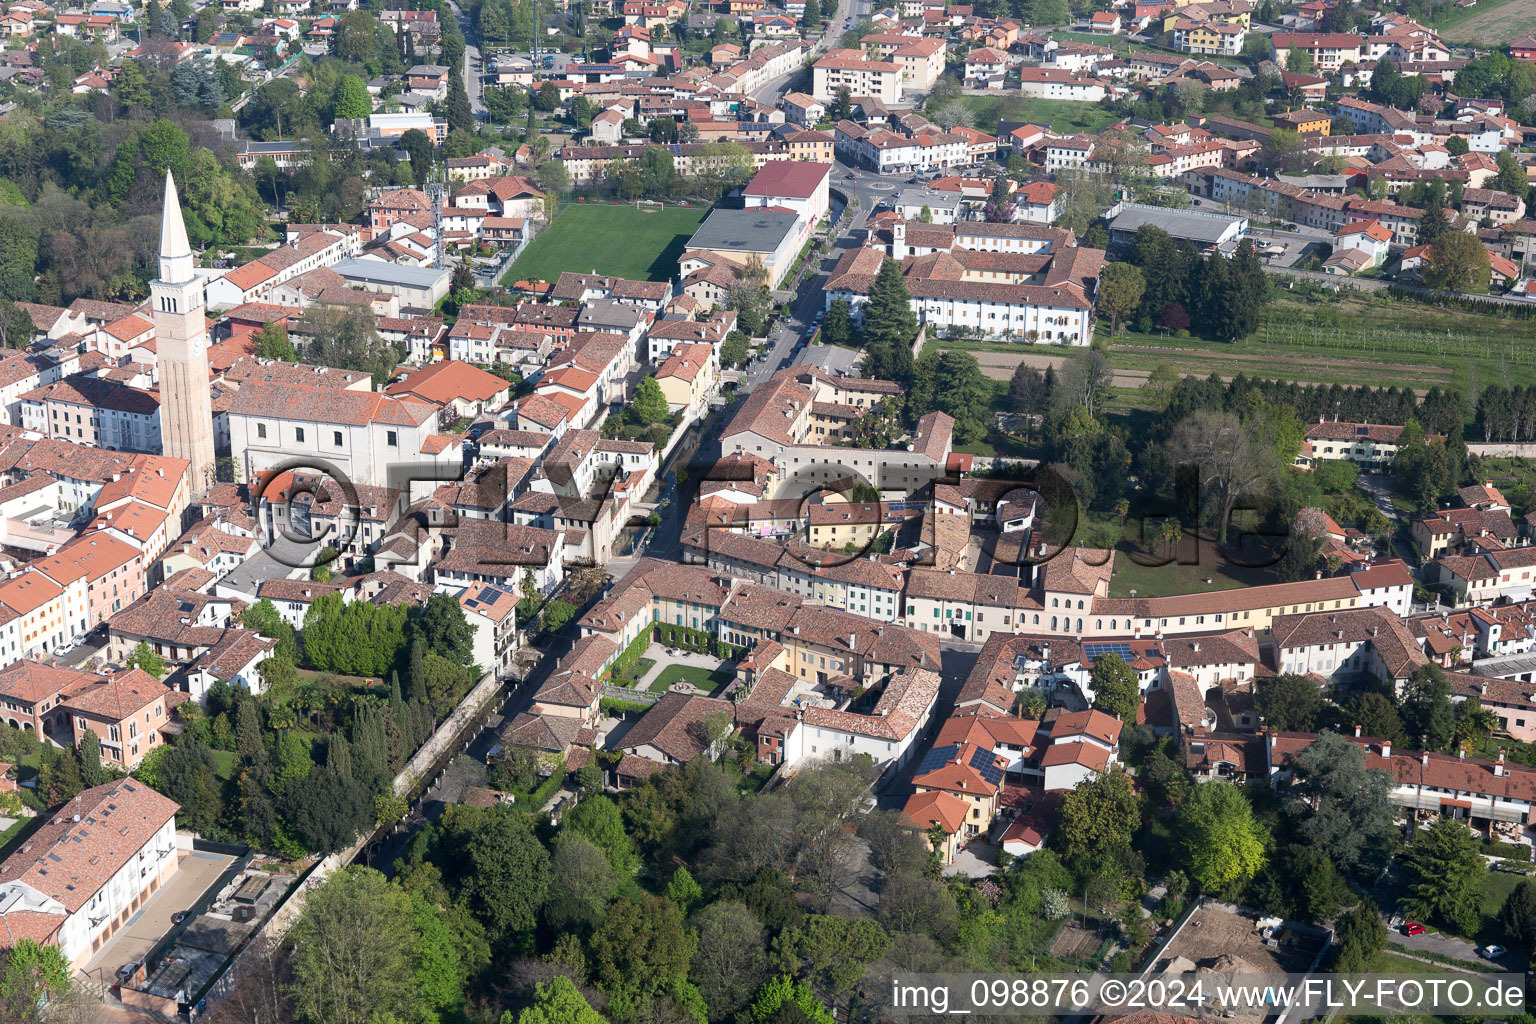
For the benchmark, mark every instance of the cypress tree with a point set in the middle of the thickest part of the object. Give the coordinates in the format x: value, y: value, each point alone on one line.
x: 889, y: 324
x: 338, y: 756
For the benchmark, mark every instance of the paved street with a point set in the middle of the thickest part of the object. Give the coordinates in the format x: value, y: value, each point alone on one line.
x: 474, y: 65
x: 848, y: 12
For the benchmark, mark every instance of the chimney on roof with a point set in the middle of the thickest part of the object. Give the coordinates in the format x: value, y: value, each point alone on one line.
x: 1357, y: 732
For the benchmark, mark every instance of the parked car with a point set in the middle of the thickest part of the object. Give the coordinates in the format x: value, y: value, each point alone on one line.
x: 1413, y: 928
x: 1492, y: 952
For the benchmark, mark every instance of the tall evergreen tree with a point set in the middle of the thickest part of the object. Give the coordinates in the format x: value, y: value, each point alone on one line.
x: 889, y: 325
x: 459, y: 114
x: 338, y: 755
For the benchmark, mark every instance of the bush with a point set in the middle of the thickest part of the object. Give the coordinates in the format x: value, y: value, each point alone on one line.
x: 615, y: 706
x: 1507, y: 851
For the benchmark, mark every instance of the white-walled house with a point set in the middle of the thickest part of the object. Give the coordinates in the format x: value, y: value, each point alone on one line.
x: 82, y: 875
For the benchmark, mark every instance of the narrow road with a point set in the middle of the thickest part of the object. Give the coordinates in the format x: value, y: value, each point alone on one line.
x: 474, y: 64
x: 849, y: 11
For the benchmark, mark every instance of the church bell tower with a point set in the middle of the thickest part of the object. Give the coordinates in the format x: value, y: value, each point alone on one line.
x: 186, y: 410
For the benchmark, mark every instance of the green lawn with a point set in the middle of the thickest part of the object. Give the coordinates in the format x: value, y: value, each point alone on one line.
x: 704, y: 679
x: 1065, y: 116
x: 619, y: 240
x: 12, y: 838
x: 1166, y: 580
x: 223, y: 763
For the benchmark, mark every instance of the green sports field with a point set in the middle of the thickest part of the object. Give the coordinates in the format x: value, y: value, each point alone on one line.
x: 618, y: 240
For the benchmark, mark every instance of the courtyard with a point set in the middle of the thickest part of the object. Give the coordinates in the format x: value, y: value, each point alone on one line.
x: 198, y: 871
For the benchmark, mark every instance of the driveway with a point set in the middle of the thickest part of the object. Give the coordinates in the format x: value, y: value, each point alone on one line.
x: 1438, y: 943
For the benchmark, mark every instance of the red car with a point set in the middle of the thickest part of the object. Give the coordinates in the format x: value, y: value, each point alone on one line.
x: 1413, y: 928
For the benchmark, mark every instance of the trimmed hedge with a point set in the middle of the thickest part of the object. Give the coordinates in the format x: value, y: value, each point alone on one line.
x: 615, y: 706
x: 629, y: 655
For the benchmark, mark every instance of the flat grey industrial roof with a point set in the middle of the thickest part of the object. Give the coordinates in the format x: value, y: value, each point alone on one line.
x: 932, y: 198
x: 389, y: 273
x: 1189, y: 224
x: 755, y: 230
x: 830, y: 358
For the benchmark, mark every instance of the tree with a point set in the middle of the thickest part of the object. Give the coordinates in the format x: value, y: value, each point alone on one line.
x: 1344, y: 808
x: 354, y: 947
x: 1425, y: 708
x: 1085, y: 380
x: 581, y: 882
x: 1299, y: 61
x: 1360, y: 935
x: 811, y: 18
x: 734, y: 351
x: 1116, y: 690
x: 91, y: 772
x: 347, y: 337
x: 438, y: 965
x: 842, y: 104
x: 1445, y: 871
x: 34, y: 979
x: 459, y: 115
x: 1120, y: 289
x: 272, y: 343
x: 1096, y: 821
x: 783, y: 1001
x: 547, y: 98
x: 683, y: 890
x: 837, y: 329
x: 889, y: 325
x: 1512, y: 177
x: 1374, y: 715
x: 144, y: 657
x: 729, y: 965
x: 502, y: 868
x: 599, y: 820
x: 1457, y: 262
x: 1224, y: 844
x: 649, y: 405
x: 441, y: 626
x: 330, y: 809
x: 1290, y: 702
x: 641, y: 950
x: 16, y: 327
x: 559, y: 1001
x: 830, y: 952
x: 1518, y: 914
x: 1233, y: 457
x: 352, y: 100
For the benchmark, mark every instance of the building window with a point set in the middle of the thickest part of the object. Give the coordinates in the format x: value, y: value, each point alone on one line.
x: 298, y: 434
x: 261, y: 430
x: 336, y: 438
x: 392, y: 439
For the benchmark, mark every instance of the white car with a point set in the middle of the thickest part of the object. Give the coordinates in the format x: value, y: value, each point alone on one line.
x: 1492, y: 952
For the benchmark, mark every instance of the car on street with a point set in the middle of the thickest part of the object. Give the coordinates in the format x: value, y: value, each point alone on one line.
x: 1413, y: 928
x: 1492, y: 952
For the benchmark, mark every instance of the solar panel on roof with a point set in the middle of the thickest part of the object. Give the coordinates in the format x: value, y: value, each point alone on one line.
x: 986, y: 765
x: 937, y: 758
x: 1092, y: 651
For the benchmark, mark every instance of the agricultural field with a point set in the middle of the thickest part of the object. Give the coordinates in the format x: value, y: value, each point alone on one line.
x: 1490, y: 23
x: 621, y: 240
